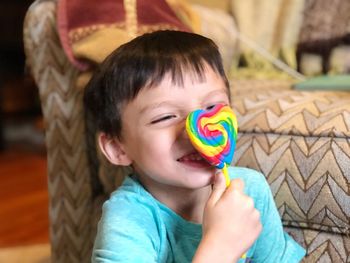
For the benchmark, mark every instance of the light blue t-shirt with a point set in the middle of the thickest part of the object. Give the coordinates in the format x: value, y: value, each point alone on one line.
x: 135, y: 227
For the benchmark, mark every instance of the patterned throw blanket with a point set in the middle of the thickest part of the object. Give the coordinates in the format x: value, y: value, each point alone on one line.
x: 89, y: 30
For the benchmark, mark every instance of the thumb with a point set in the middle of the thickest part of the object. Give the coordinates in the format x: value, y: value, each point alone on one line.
x: 219, y: 187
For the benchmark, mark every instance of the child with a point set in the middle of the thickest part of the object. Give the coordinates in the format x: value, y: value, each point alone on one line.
x: 175, y: 207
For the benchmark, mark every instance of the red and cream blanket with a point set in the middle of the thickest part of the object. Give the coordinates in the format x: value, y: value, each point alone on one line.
x: 89, y: 30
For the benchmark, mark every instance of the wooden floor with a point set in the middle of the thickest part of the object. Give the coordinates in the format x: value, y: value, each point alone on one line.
x: 24, y: 198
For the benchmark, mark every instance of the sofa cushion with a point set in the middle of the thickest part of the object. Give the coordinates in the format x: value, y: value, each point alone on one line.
x: 293, y: 112
x: 300, y: 142
x: 308, y: 177
x: 321, y: 246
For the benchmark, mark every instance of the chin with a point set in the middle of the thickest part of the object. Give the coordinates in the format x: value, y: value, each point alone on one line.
x: 200, y: 180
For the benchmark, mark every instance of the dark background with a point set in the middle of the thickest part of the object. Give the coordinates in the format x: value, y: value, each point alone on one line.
x: 20, y: 115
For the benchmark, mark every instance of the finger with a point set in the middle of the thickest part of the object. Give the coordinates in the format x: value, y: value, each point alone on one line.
x: 256, y: 215
x: 237, y: 185
x: 219, y: 187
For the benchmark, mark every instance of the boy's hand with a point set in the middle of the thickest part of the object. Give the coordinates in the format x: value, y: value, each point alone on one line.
x: 231, y: 224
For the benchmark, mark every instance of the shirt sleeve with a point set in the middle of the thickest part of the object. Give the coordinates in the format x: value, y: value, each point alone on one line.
x: 273, y: 244
x: 125, y: 233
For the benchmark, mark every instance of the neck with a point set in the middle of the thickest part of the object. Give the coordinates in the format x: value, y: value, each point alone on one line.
x: 187, y: 203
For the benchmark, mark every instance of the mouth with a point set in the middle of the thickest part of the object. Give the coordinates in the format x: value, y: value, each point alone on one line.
x: 194, y: 160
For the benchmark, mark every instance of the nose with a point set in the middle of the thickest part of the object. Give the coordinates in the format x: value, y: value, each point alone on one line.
x: 182, y: 133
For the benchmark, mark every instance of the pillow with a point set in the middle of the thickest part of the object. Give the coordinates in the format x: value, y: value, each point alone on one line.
x: 89, y: 30
x: 269, y: 33
x: 325, y: 27
x: 221, y: 28
x: 223, y: 5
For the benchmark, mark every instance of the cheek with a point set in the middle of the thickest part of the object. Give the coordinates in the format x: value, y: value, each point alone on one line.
x: 157, y: 145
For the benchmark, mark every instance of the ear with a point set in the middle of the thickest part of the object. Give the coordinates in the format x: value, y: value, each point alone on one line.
x: 113, y: 149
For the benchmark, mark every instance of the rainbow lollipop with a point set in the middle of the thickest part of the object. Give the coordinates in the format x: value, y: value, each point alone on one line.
x: 213, y: 133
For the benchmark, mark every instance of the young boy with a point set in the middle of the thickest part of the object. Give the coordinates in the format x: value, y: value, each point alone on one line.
x: 175, y: 207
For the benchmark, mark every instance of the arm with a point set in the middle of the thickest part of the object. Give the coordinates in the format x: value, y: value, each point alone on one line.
x: 231, y: 224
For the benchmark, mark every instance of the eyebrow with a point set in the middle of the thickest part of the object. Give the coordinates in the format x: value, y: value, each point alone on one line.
x: 156, y: 106
x: 214, y: 92
x: 171, y: 103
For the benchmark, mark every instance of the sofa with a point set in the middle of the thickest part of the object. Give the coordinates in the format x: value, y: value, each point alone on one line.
x: 300, y: 141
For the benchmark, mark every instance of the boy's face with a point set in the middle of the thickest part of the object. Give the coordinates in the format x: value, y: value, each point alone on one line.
x: 154, y: 136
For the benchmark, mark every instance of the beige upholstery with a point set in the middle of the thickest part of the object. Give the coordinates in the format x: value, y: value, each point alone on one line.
x: 298, y: 140
x: 71, y: 177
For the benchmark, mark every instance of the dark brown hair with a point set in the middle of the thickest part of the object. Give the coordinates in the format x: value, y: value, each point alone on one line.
x: 144, y: 62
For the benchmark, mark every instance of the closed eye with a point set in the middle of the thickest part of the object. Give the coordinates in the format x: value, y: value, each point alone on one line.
x: 210, y: 107
x: 165, y: 118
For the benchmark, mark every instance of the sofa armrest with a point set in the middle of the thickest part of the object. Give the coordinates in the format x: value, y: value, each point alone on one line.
x: 70, y: 182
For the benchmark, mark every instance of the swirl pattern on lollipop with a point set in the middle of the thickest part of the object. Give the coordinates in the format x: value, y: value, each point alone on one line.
x: 213, y: 133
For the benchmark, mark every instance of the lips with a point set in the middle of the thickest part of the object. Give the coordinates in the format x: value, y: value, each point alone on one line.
x: 193, y: 159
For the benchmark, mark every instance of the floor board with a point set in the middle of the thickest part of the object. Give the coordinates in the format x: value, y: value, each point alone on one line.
x: 24, y: 198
